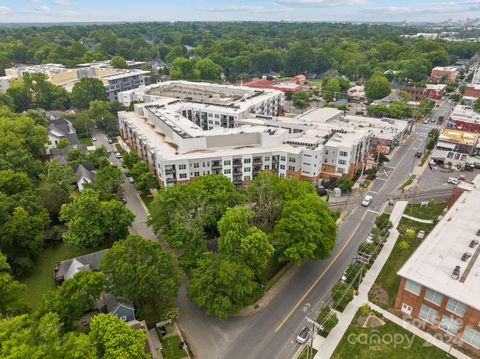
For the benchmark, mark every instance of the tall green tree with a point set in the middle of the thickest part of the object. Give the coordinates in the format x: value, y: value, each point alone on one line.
x: 87, y: 90
x: 222, y: 287
x: 114, y: 339
x: 108, y: 181
x: 118, y: 62
x: 208, y: 70
x: 377, y: 87
x: 305, y: 230
x: 10, y: 300
x: 74, y: 297
x: 141, y: 271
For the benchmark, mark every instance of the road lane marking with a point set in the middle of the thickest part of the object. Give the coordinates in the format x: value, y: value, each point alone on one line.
x: 380, y: 179
x: 371, y: 210
x: 322, y: 274
x: 372, y: 192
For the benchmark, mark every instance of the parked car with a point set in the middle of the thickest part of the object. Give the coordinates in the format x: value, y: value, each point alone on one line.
x: 421, y: 235
x: 131, y: 180
x: 118, y: 155
x: 124, y: 200
x: 344, y: 277
x: 303, y: 335
x: 453, y: 180
x: 110, y: 141
x: 418, y: 154
x: 426, y: 121
x: 370, y: 238
x: 94, y: 139
x: 367, y: 200
x: 115, y: 151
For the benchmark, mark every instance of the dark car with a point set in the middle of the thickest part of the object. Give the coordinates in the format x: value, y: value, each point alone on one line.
x: 418, y: 154
x: 124, y: 200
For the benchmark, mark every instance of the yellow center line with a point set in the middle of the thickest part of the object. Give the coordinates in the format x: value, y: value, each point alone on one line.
x: 322, y: 274
x: 332, y: 262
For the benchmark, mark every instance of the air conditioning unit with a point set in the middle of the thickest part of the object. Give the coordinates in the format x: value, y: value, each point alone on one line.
x: 456, y: 273
x: 466, y: 256
x: 473, y: 243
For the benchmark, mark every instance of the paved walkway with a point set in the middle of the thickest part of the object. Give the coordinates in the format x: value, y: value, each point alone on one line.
x: 420, y: 333
x: 428, y: 221
x: 327, y: 346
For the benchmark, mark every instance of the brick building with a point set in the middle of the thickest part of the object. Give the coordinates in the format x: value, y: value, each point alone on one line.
x: 448, y: 73
x: 465, y: 119
x: 472, y: 90
x: 440, y: 282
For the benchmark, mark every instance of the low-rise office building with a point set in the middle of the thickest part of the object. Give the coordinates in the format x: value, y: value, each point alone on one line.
x: 440, y: 282
x: 457, y: 141
x: 472, y: 90
x: 448, y: 73
x: 464, y: 118
x: 184, y: 130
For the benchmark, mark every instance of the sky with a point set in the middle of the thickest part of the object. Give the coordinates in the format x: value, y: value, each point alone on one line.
x: 236, y: 10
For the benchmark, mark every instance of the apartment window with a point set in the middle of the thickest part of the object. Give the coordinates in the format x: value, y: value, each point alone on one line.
x: 227, y: 163
x: 182, y: 167
x: 217, y: 116
x: 196, y: 174
x: 210, y: 115
x: 433, y: 296
x: 282, y: 167
x: 267, y: 167
x: 342, y: 162
x: 282, y: 158
x: 227, y: 171
x: 196, y: 165
x: 454, y: 306
x: 472, y: 337
x: 210, y: 122
x: 343, y: 153
x: 413, y: 287
x: 247, y: 160
x: 247, y: 169
x: 267, y: 158
x: 183, y: 175
x: 217, y: 123
x: 291, y: 159
x: 340, y: 170
x: 449, y: 324
x: 427, y: 314
x: 291, y: 168
x: 246, y: 178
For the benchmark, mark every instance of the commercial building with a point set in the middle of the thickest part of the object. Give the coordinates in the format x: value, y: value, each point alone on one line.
x: 184, y: 130
x: 440, y: 282
x: 115, y: 80
x: 448, y: 73
x: 464, y: 118
x: 472, y: 90
x: 293, y: 84
x: 435, y: 91
x: 458, y: 141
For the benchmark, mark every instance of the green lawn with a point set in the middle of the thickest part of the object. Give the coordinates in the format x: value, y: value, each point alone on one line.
x: 86, y: 141
x: 304, y: 353
x: 408, y: 182
x: 41, y: 279
x: 171, y: 348
x: 387, y: 341
x: 388, y: 278
x: 147, y: 200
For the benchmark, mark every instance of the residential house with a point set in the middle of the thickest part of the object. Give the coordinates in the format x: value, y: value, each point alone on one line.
x: 84, y: 174
x: 68, y: 268
x: 60, y: 129
x: 122, y: 309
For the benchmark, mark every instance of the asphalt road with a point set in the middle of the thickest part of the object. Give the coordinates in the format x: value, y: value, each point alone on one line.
x: 271, y: 332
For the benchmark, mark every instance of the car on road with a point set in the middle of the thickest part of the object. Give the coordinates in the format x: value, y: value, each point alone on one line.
x: 124, y: 200
x: 115, y: 151
x: 367, y: 200
x: 419, y: 154
x: 110, y: 141
x: 94, y: 139
x: 453, y: 180
x: 370, y: 238
x: 303, y: 335
x: 118, y: 155
x: 426, y: 121
x: 131, y: 180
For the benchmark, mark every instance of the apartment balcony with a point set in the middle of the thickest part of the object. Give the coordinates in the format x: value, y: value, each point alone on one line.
x: 171, y: 179
x: 169, y: 170
x: 237, y: 164
x: 237, y: 180
x: 257, y: 161
x: 216, y: 165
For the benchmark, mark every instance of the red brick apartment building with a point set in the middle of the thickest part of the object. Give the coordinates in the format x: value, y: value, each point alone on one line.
x: 440, y: 282
x: 472, y: 91
x: 450, y: 73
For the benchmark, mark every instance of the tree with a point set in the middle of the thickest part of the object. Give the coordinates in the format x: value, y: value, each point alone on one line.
x: 300, y: 59
x: 342, y: 294
x: 119, y: 62
x: 330, y: 88
x: 130, y: 159
x: 10, y: 300
x: 25, y: 337
x: 108, y: 181
x: 12, y: 182
x: 7, y: 101
x: 145, y: 182
x: 221, y: 287
x: 241, y: 242
x: 328, y: 319
x: 186, y: 69
x: 20, y: 94
x: 90, y: 220
x: 306, y: 229
x: 377, y: 87
x: 268, y: 60
x: 345, y: 184
x: 101, y: 113
x: 208, y: 70
x: 114, y: 339
x: 74, y: 297
x: 141, y: 271
x: 301, y: 98
x: 476, y: 105
x: 87, y: 90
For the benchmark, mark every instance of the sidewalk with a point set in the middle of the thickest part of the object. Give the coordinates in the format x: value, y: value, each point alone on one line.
x: 420, y: 333
x: 327, y: 346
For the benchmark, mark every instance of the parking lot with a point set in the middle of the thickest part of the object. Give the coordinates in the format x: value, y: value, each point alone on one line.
x: 437, y: 177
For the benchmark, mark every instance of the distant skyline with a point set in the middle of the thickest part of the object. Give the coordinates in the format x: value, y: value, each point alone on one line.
x: 222, y: 10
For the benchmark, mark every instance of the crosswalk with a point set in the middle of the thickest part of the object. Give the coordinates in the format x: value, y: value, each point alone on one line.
x: 424, y: 129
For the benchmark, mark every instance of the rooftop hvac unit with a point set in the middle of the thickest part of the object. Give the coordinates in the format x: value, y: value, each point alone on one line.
x: 478, y: 232
x: 473, y: 243
x: 456, y: 273
x: 466, y: 256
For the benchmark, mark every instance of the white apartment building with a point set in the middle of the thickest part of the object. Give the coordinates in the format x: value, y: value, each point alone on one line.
x: 115, y: 80
x: 185, y: 130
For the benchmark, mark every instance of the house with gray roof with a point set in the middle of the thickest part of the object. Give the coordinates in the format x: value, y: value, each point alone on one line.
x: 68, y: 268
x: 122, y: 309
x: 60, y: 129
x: 84, y: 174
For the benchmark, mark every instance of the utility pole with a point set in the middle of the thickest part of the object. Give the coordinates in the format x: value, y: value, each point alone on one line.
x: 315, y: 327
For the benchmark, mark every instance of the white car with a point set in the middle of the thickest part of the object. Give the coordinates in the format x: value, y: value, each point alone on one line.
x: 118, y: 155
x: 367, y: 200
x: 370, y: 238
x: 453, y: 180
x: 303, y: 335
x: 94, y: 139
x: 131, y: 180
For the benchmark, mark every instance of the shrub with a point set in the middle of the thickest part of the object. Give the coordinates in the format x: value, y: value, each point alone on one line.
x: 403, y: 245
x: 328, y: 319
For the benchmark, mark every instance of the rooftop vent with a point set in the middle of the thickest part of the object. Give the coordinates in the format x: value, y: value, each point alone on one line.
x: 466, y: 256
x: 473, y: 243
x: 478, y: 232
x: 456, y: 273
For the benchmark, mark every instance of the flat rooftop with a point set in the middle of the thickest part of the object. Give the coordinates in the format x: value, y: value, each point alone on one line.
x: 466, y: 114
x: 432, y: 264
x: 457, y: 136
